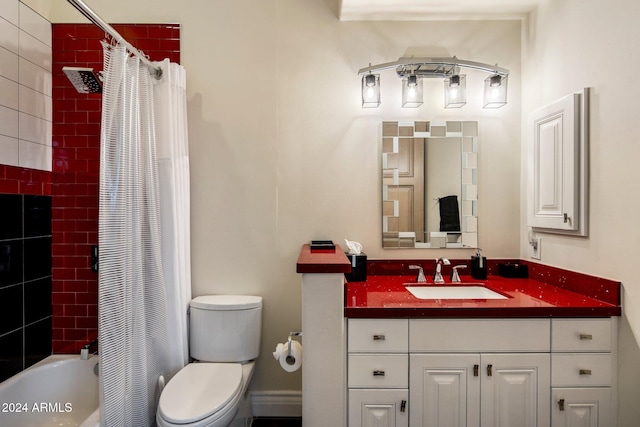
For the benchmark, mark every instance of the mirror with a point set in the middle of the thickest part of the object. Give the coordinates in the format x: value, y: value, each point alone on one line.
x: 430, y: 184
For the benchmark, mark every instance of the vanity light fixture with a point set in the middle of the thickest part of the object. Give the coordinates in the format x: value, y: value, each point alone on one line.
x: 495, y: 91
x: 370, y: 90
x: 412, y: 70
x: 455, y: 91
x: 411, y: 91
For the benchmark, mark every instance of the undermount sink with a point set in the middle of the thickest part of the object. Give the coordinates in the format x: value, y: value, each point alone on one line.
x: 456, y: 291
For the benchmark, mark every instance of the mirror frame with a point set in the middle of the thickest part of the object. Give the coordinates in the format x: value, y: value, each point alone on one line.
x: 397, y: 133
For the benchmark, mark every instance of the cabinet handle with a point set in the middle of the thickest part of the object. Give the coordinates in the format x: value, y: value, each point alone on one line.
x: 379, y: 337
x: 584, y: 337
x: 585, y: 371
x: 561, y: 404
x: 475, y: 370
x: 403, y: 406
x: 378, y: 373
x: 489, y: 370
x: 565, y: 217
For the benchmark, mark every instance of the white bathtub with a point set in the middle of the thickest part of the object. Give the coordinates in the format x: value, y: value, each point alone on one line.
x: 61, y: 390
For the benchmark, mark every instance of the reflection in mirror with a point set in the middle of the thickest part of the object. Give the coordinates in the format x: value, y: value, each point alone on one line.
x: 430, y: 184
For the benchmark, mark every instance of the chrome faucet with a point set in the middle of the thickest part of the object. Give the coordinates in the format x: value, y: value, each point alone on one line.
x: 437, y: 275
x: 455, y: 276
x: 421, y: 277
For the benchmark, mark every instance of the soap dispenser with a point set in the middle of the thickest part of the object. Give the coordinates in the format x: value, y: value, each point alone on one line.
x: 479, y: 266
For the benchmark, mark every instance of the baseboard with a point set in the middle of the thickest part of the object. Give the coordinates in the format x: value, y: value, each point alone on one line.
x: 276, y: 403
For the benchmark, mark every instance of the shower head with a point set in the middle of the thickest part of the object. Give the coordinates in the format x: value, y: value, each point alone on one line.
x: 85, y: 80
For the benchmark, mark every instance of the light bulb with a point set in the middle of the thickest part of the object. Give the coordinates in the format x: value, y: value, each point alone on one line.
x: 370, y: 92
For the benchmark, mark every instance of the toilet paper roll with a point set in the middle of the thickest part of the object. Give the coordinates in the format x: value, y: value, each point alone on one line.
x: 289, y: 363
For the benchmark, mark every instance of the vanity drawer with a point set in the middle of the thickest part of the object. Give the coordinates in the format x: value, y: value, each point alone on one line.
x: 378, y: 335
x: 581, y: 334
x: 479, y: 335
x: 378, y: 371
x: 580, y: 369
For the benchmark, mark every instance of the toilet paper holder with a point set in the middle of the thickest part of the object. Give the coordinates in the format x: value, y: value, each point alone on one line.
x: 290, y: 359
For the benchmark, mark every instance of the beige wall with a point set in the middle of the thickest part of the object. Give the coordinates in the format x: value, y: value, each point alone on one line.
x: 281, y: 151
x: 569, y: 45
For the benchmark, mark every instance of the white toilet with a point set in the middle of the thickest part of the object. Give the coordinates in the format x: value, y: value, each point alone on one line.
x: 224, y: 339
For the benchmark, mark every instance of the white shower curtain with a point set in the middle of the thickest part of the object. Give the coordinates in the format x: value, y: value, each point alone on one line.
x: 141, y: 308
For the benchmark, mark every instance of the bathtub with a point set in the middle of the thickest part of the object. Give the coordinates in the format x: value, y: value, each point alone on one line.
x: 61, y: 390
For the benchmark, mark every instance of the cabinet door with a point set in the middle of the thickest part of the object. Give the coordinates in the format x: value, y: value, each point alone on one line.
x: 444, y: 390
x: 515, y: 390
x: 581, y: 407
x: 378, y: 408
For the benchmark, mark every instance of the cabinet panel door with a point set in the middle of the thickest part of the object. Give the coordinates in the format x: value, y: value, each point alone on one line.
x: 581, y: 407
x: 444, y: 392
x: 378, y: 408
x: 515, y: 390
x: 555, y: 174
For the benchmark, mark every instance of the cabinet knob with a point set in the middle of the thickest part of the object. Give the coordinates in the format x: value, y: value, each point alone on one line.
x: 475, y: 370
x: 379, y: 337
x: 403, y: 406
x: 561, y: 404
x: 489, y: 370
x: 378, y: 373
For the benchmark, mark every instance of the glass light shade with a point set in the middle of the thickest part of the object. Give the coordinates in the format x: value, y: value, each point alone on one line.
x: 411, y: 92
x: 495, y: 91
x: 455, y: 91
x: 370, y: 90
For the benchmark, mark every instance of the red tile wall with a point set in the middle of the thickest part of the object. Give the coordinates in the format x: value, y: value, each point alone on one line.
x: 75, y: 176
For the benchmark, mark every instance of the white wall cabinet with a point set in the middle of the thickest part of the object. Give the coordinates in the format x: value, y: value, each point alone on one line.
x: 558, y: 166
x: 481, y: 372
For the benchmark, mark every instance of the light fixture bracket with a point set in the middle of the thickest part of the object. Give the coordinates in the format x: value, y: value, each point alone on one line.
x: 424, y: 67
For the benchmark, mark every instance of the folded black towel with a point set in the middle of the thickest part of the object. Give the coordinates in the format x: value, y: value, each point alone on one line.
x: 449, y: 213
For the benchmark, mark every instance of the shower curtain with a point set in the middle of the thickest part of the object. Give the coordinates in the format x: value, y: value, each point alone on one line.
x: 143, y: 285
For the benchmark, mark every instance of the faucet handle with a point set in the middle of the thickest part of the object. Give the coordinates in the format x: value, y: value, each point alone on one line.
x: 421, y: 277
x: 455, y: 277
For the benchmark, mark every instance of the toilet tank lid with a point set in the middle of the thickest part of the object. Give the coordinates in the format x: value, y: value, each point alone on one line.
x: 226, y: 302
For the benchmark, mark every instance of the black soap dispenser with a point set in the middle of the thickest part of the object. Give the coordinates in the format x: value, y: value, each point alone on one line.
x: 479, y: 266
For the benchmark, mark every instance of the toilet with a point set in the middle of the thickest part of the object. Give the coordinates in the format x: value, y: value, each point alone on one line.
x: 224, y: 340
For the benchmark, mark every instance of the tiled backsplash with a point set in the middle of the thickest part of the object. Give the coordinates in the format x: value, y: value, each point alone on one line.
x: 25, y: 281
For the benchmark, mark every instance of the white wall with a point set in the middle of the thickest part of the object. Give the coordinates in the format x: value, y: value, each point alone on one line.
x: 282, y: 152
x: 569, y: 45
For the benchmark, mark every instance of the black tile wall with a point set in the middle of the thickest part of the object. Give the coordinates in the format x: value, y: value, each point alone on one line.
x: 25, y: 281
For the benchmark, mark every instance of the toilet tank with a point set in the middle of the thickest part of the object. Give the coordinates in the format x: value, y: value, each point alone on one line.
x: 225, y: 328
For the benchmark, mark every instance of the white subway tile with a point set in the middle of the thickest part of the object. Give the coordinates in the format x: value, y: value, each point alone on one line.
x: 9, y: 35
x: 34, y: 156
x: 34, y: 50
x: 9, y: 65
x: 33, y: 129
x: 9, y: 10
x: 9, y: 122
x: 9, y: 151
x: 8, y: 93
x: 35, y: 103
x: 35, y: 24
x: 35, y: 77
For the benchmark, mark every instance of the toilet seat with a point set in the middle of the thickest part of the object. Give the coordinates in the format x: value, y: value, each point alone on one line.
x: 201, y: 393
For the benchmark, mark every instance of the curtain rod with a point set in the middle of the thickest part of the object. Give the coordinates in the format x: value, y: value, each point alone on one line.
x: 100, y: 23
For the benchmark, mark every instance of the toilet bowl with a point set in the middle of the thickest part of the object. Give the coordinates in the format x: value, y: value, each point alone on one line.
x: 204, y: 395
x: 225, y: 340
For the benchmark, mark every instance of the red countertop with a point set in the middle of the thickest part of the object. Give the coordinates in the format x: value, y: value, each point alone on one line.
x: 386, y: 296
x: 334, y: 261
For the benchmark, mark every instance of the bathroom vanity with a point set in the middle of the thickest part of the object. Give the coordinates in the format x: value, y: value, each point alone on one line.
x: 543, y: 355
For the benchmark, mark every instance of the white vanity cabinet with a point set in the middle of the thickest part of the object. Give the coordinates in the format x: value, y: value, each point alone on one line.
x: 582, y: 372
x: 378, y: 372
x: 481, y: 372
x: 506, y: 383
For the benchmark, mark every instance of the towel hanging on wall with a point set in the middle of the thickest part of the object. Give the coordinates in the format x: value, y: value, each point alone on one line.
x: 449, y: 213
